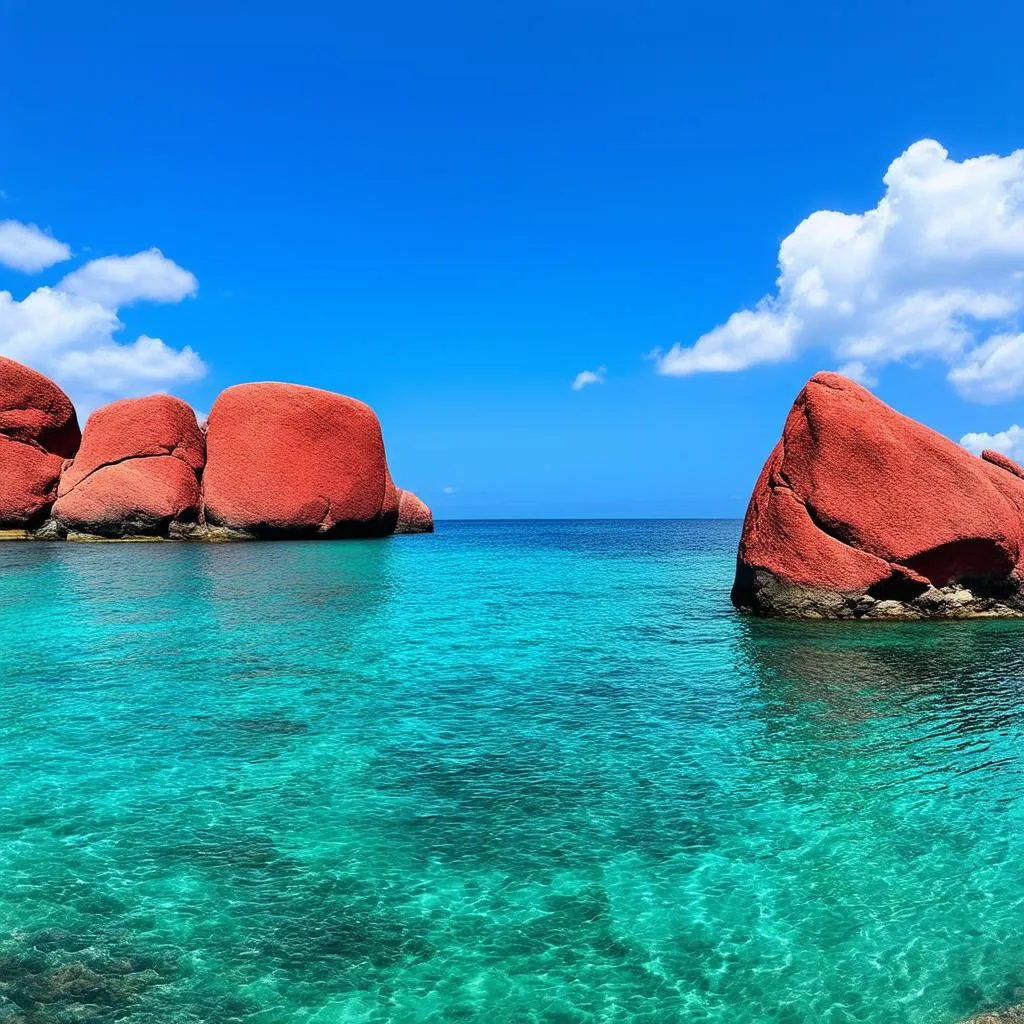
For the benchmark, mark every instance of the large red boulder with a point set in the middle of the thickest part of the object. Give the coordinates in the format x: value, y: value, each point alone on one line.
x: 136, y: 472
x: 285, y: 460
x: 38, y: 431
x: 862, y: 512
x: 413, y: 515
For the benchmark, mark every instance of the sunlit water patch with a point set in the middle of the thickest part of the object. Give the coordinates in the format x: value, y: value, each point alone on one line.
x: 510, y: 772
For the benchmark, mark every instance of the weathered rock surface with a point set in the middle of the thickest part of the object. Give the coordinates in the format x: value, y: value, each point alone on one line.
x: 413, y: 515
x: 279, y: 460
x: 285, y: 460
x: 136, y: 472
x: 860, y: 512
x: 38, y: 431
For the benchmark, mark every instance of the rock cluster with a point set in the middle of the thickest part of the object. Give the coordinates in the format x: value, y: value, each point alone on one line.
x: 273, y: 461
x: 860, y: 512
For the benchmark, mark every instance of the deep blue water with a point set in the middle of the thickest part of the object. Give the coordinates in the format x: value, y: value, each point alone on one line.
x: 509, y: 772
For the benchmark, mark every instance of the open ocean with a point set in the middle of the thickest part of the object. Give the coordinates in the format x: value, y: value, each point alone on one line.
x: 512, y: 772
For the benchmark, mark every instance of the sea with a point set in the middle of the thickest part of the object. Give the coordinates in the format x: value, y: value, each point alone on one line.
x: 510, y: 772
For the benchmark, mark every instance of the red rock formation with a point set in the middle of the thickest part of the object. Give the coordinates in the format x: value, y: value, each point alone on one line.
x: 284, y: 461
x: 38, y: 430
x: 136, y: 472
x: 862, y: 511
x: 287, y: 460
x: 1003, y: 462
x: 413, y: 515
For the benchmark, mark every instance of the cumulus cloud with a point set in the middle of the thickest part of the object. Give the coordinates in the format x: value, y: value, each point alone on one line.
x: 68, y: 331
x: 1009, y: 442
x: 146, y: 363
x: 992, y: 372
x: 28, y: 248
x: 934, y: 271
x: 586, y: 377
x: 117, y: 281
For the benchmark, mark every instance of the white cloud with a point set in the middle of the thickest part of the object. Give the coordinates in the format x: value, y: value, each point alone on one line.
x: 47, y: 322
x: 935, y: 270
x: 1009, y: 442
x: 68, y: 331
x: 148, y: 362
x: 117, y: 281
x: 585, y: 377
x: 448, y: 490
x: 28, y: 248
x: 992, y: 372
x: 747, y: 337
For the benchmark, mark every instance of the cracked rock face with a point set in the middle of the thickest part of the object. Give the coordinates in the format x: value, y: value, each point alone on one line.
x: 291, y: 461
x: 860, y: 512
x: 38, y: 431
x: 137, y: 470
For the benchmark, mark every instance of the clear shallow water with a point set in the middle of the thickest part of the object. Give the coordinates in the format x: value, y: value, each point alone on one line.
x: 511, y: 772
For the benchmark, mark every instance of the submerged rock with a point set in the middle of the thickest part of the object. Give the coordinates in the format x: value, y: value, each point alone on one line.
x: 413, y: 515
x: 136, y: 472
x: 862, y: 512
x: 38, y: 431
x: 285, y: 460
x: 63, y: 976
x: 1011, y: 1015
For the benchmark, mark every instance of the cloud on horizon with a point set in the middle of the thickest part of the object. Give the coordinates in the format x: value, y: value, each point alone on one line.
x: 68, y: 330
x: 934, y: 271
x: 587, y: 377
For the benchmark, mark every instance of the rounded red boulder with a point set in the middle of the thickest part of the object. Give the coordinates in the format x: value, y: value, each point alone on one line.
x: 38, y: 430
x: 35, y: 411
x: 413, y: 515
x: 294, y: 461
x: 136, y: 472
x: 862, y: 511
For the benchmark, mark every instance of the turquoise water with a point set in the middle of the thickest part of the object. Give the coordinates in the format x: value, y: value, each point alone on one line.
x: 510, y: 772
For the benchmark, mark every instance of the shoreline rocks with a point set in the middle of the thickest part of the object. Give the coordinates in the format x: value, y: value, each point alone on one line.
x: 861, y: 512
x: 274, y: 461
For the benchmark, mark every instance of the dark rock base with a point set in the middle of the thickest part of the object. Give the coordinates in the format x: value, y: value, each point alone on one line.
x: 759, y: 592
x: 203, y: 533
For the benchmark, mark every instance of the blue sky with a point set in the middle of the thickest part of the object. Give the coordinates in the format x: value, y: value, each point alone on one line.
x: 451, y: 210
